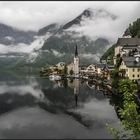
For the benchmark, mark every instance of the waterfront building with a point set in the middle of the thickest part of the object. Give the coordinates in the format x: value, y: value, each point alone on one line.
x: 127, y: 46
x: 60, y: 65
x: 100, y: 67
x: 74, y: 66
x: 130, y: 67
x: 91, y: 69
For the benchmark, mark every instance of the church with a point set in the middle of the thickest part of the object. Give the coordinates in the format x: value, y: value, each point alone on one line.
x: 73, y: 68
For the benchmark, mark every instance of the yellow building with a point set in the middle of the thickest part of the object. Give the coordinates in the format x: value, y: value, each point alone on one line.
x: 130, y: 67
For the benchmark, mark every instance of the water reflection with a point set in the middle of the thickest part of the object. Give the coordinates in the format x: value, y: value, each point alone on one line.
x: 75, y: 84
x: 69, y: 102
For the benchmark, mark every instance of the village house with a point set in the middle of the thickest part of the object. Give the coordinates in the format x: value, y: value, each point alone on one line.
x: 91, y: 69
x: 60, y: 65
x: 100, y: 68
x: 127, y: 47
x: 129, y: 50
x: 103, y: 70
x: 83, y: 69
x: 130, y: 67
x: 53, y: 68
x: 76, y: 70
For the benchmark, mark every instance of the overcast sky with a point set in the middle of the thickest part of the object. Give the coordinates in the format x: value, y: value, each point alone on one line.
x: 35, y: 14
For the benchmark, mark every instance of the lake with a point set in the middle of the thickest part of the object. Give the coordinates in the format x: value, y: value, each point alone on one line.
x: 35, y: 107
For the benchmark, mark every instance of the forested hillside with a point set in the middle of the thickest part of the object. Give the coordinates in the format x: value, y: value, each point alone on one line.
x: 133, y: 30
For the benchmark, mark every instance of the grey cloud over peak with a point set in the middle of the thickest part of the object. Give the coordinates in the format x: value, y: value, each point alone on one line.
x: 33, y: 15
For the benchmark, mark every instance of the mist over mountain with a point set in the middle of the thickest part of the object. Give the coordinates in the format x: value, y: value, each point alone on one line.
x: 89, y: 14
x: 54, y: 43
x: 61, y: 43
x: 13, y: 36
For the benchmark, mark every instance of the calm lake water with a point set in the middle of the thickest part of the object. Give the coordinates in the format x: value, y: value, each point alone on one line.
x: 35, y: 107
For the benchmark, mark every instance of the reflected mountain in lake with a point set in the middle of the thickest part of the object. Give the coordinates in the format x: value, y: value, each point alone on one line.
x: 34, y: 107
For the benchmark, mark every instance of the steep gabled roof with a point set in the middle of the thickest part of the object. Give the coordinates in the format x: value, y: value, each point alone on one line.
x: 131, y: 62
x: 100, y: 65
x: 128, y: 41
x: 130, y: 46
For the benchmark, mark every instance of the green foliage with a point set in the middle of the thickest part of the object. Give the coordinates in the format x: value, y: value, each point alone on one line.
x: 113, y: 131
x: 115, y: 78
x: 135, y: 28
x: 118, y: 61
x: 129, y: 113
x: 114, y: 73
x: 109, y: 53
x: 138, y: 34
x: 127, y: 86
x: 130, y: 117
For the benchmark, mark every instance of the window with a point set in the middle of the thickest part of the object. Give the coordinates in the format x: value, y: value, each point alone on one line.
x: 138, y: 75
x: 133, y: 70
x: 133, y: 75
x: 138, y: 70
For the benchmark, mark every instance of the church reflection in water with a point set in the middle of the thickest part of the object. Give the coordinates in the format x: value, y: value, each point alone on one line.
x: 76, y: 90
x: 75, y: 85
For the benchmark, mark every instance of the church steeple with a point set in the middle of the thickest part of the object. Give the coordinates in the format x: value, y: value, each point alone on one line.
x: 76, y: 51
x: 76, y: 63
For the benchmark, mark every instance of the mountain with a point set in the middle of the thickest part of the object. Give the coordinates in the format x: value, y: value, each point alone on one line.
x: 55, y: 42
x: 52, y: 28
x: 12, y: 43
x: 85, y: 14
x: 10, y: 35
x: 88, y: 14
x: 60, y: 44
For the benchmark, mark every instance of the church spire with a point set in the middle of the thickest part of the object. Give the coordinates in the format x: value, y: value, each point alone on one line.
x: 76, y: 51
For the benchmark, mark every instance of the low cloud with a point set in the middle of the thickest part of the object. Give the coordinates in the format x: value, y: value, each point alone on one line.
x: 24, y: 48
x: 95, y: 57
x: 58, y: 54
x: 103, y: 25
x: 35, y: 15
